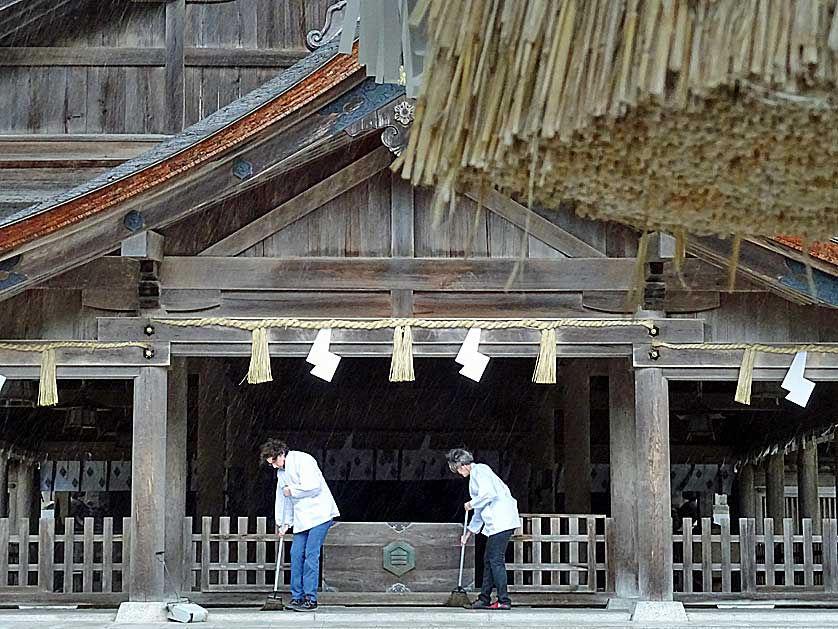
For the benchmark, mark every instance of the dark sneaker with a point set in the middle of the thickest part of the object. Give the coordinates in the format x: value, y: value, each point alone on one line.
x: 309, y: 605
x: 296, y: 604
x: 499, y: 605
x: 479, y: 604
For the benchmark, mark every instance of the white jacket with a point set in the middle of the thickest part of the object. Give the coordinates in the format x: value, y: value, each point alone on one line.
x: 495, y: 510
x: 311, y: 503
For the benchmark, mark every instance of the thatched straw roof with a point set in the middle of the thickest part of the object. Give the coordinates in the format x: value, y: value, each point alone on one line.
x: 704, y: 116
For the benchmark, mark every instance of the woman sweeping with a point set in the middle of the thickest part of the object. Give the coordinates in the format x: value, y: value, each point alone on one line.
x: 496, y: 516
x: 304, y: 503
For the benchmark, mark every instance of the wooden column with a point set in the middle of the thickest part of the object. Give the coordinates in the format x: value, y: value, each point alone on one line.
x: 654, y: 502
x: 621, y: 447
x: 174, y: 77
x: 148, y: 485
x: 807, y: 486
x: 212, y: 404
x: 25, y: 488
x: 176, y: 471
x: 4, y: 478
x: 542, y: 484
x: 745, y: 493
x: 576, y: 400
x: 775, y: 481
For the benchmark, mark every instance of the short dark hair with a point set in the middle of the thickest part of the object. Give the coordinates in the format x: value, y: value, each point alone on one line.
x: 273, y: 448
x: 458, y: 457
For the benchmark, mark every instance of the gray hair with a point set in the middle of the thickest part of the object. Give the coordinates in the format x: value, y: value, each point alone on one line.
x: 458, y: 457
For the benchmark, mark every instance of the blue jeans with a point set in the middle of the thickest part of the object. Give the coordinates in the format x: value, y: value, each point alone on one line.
x: 305, y: 561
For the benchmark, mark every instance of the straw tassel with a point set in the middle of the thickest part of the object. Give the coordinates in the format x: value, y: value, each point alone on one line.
x: 260, y: 358
x: 401, y: 364
x: 746, y: 375
x: 545, y: 365
x: 48, y: 387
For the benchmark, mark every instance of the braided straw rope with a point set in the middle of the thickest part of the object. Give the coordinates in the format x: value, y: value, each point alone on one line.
x: 53, y: 345
x: 813, y: 348
x: 746, y: 368
x: 429, y: 324
x: 47, y: 381
x: 401, y: 366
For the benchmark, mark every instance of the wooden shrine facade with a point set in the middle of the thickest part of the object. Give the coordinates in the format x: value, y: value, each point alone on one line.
x: 283, y: 204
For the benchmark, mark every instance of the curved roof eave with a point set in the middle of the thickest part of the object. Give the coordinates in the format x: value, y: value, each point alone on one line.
x: 219, y: 132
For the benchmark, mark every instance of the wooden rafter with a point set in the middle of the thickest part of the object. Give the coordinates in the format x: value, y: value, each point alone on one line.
x: 301, y: 205
x: 540, y: 228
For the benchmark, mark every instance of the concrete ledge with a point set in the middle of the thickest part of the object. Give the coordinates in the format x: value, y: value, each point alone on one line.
x: 138, y: 613
x: 659, y: 611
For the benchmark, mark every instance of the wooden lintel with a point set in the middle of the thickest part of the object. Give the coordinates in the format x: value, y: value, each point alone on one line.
x: 73, y: 373
x: 726, y: 359
x: 133, y: 328
x: 78, y: 357
x: 381, y: 350
x: 730, y: 374
x: 302, y: 204
x: 446, y: 274
x: 101, y: 56
x: 538, y: 227
x: 429, y: 274
x: 113, y: 272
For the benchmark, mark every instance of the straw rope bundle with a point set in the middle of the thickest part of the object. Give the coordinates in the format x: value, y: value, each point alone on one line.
x: 700, y: 116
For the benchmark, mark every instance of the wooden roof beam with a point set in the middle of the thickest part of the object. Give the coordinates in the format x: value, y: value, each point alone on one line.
x: 535, y: 225
x: 301, y: 205
x: 429, y: 274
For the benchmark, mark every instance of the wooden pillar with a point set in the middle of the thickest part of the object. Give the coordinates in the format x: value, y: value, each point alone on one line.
x: 745, y: 493
x: 176, y: 471
x: 4, y: 478
x: 807, y: 486
x: 543, y: 487
x: 654, y: 502
x: 775, y: 483
x: 212, y: 404
x: 25, y: 488
x: 576, y: 397
x: 148, y: 485
x: 621, y: 447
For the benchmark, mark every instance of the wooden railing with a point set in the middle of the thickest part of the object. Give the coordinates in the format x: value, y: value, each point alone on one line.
x: 94, y: 559
x: 560, y: 553
x: 244, y: 560
x: 712, y: 559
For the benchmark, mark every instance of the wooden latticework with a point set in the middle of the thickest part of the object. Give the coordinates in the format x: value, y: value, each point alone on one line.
x: 704, y: 116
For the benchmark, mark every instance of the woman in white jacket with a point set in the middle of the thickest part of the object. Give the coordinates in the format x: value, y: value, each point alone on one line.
x: 496, y: 516
x: 304, y: 502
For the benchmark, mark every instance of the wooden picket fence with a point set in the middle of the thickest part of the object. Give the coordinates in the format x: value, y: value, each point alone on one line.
x: 560, y: 553
x: 712, y: 559
x: 66, y: 561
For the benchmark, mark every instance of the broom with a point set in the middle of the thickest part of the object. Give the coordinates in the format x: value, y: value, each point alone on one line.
x: 458, y: 596
x: 274, y: 600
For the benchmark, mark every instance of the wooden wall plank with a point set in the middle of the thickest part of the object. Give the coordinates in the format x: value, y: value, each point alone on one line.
x: 174, y: 82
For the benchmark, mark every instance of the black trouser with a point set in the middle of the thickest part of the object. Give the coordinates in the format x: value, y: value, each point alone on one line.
x: 494, y: 570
